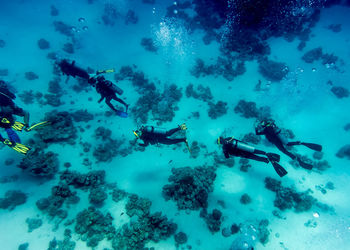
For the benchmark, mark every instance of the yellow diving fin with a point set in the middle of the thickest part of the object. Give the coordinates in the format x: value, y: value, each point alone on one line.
x: 20, y: 148
x: 38, y: 125
x: 188, y: 146
x: 105, y: 71
x: 18, y: 126
x: 16, y: 146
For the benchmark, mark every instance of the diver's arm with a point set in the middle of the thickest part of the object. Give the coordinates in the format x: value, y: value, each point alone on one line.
x: 26, y: 118
x: 227, y: 155
x: 101, y: 99
x: 259, y: 131
x: 144, y: 144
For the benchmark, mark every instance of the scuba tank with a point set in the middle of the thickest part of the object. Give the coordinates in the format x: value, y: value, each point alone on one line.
x: 244, y: 147
x: 117, y: 90
x: 151, y: 129
x: 114, y: 87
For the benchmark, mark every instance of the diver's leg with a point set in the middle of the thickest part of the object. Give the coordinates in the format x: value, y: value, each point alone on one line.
x: 172, y: 131
x: 281, y: 147
x: 168, y: 141
x: 13, y: 137
x: 252, y: 156
x: 114, y: 97
x: 108, y: 102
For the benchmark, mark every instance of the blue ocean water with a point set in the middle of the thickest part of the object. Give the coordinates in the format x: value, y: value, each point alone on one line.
x: 217, y: 66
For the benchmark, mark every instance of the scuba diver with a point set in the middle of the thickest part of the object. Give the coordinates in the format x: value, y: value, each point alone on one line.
x: 231, y: 146
x: 70, y: 69
x: 152, y: 135
x: 108, y: 91
x: 273, y: 134
x: 7, y: 110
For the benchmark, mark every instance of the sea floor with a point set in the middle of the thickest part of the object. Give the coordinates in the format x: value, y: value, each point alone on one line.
x: 303, y: 102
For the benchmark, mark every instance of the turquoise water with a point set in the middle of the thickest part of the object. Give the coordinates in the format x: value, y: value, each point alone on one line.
x: 301, y: 101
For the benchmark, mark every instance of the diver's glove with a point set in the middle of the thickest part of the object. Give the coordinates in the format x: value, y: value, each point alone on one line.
x: 16, y: 146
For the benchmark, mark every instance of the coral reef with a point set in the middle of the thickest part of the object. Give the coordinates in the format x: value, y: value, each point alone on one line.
x: 149, y: 227
x: 137, y: 206
x: 109, y: 148
x: 52, y: 205
x: 344, y: 152
x: 63, y: 28
x: 251, y: 138
x: 31, y: 76
x: 340, y: 92
x: 43, y: 44
x: 61, y: 129
x: 33, y: 223
x: 245, y: 199
x: 12, y: 199
x: 94, y: 226
x: 180, y: 238
x: 39, y: 163
x: 273, y: 71
x: 82, y: 115
x: 317, y: 54
x: 97, y: 196
x: 148, y: 44
x: 65, y: 244
x: 131, y: 18
x: 336, y: 28
x: 217, y: 110
x: 288, y: 198
x: 69, y: 48
x: 250, y: 110
x: 201, y: 93
x: 4, y: 72
x: 2, y: 43
x: 229, y: 68
x: 23, y: 246
x: 312, y: 55
x: 54, y: 11
x: 110, y: 14
x: 84, y: 181
x: 189, y: 187
x: 212, y: 220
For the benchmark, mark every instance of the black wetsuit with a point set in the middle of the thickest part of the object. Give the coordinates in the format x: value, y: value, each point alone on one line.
x: 235, y: 147
x: 152, y: 135
x: 70, y: 69
x: 108, y: 91
x: 273, y: 135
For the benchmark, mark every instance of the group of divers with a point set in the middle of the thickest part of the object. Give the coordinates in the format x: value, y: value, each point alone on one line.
x: 148, y: 134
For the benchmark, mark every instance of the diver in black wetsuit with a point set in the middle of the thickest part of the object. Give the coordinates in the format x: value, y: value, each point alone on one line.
x: 7, y: 110
x: 70, y: 69
x: 273, y: 134
x: 108, y: 91
x: 231, y: 146
x: 152, y: 135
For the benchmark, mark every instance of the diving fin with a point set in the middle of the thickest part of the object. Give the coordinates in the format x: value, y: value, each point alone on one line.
x: 18, y: 126
x: 188, y: 146
x: 105, y: 71
x: 273, y: 157
x: 16, y: 146
x: 305, y: 165
x: 281, y: 171
x: 21, y: 148
x: 38, y: 125
x: 313, y: 146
